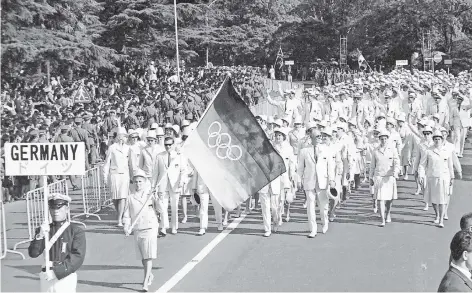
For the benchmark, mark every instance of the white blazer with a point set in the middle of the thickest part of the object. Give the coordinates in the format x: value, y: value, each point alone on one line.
x: 116, y: 161
x: 176, y: 172
x: 316, y: 174
x: 134, y: 203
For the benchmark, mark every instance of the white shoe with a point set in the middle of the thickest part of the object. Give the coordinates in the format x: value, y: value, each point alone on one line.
x: 383, y: 224
x: 280, y: 221
x: 201, y: 232
x: 163, y: 232
x: 276, y: 228
x: 436, y: 221
x: 441, y: 225
x: 426, y: 208
x: 446, y: 217
x: 267, y: 234
x: 312, y: 235
x: 174, y: 231
x: 225, y: 223
x: 220, y: 227
x: 389, y: 219
x: 325, y: 228
x: 119, y: 225
x: 304, y: 205
x: 417, y: 192
x: 287, y: 219
x: 405, y: 177
x: 375, y: 210
x: 184, y: 220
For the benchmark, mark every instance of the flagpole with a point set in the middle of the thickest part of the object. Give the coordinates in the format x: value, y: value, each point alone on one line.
x: 176, y: 40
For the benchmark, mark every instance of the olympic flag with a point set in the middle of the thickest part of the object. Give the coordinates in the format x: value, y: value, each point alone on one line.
x: 231, y: 151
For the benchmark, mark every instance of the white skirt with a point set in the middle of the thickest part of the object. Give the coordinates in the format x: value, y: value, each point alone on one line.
x: 385, y: 188
x: 119, y: 186
x: 146, y: 243
x: 436, y: 190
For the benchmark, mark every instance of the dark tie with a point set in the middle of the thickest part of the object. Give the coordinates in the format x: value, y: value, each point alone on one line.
x: 168, y: 159
x: 437, y: 108
x: 316, y: 156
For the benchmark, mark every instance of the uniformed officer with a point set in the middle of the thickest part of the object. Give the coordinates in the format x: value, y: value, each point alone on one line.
x: 67, y: 253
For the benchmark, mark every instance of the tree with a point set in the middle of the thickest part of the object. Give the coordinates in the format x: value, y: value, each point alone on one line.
x: 63, y: 32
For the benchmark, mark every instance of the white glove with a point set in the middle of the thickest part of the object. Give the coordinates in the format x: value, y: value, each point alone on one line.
x: 43, y: 229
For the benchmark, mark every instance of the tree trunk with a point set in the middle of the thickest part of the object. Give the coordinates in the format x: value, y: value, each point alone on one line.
x: 71, y: 72
x: 39, y: 70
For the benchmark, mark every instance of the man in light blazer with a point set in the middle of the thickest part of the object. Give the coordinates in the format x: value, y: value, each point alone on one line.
x: 458, y: 277
x: 169, y: 176
x: 316, y: 169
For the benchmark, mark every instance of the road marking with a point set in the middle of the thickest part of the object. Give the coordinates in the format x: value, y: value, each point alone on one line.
x: 175, y: 279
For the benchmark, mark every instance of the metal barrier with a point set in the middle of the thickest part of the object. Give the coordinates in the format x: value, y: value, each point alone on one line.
x: 104, y: 191
x: 91, y: 193
x: 3, y: 234
x: 35, y: 208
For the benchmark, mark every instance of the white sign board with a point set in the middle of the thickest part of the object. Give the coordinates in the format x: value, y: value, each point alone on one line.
x: 437, y: 58
x: 402, y: 62
x: 44, y: 159
x: 290, y: 62
x: 447, y: 62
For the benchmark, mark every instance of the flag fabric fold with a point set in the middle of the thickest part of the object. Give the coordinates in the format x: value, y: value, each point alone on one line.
x: 230, y: 150
x: 280, y: 58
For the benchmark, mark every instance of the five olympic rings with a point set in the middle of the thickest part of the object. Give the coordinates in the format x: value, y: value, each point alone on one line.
x: 223, y: 145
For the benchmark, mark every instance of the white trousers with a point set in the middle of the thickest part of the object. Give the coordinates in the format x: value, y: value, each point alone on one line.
x: 323, y: 203
x: 67, y: 284
x: 459, y: 137
x: 270, y: 203
x: 174, y: 208
x: 204, y: 202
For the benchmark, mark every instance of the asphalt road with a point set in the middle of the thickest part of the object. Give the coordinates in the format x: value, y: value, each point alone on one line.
x: 409, y: 254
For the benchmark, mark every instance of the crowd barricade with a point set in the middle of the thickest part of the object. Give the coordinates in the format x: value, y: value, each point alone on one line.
x: 272, y: 84
x: 105, y: 194
x: 35, y: 207
x: 91, y: 199
x: 3, y: 234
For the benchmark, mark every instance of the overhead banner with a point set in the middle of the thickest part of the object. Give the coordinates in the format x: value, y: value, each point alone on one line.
x: 44, y: 159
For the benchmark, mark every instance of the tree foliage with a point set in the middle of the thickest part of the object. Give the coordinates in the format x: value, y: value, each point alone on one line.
x: 80, y: 34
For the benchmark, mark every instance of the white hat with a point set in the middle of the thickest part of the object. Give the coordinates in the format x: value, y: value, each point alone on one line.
x: 176, y: 128
x: 384, y: 132
x: 298, y: 120
x: 279, y: 122
x: 59, y: 196
x: 121, y: 131
x: 159, y: 131
x: 282, y: 130
x: 311, y: 125
x: 154, y: 126
x: 151, y: 134
x: 437, y: 133
x: 428, y: 129
x: 139, y: 173
x: 327, y: 131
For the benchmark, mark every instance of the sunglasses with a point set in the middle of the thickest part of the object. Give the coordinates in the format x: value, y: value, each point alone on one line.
x: 56, y: 206
x: 168, y: 144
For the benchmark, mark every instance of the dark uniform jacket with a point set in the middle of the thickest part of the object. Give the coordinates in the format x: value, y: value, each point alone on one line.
x: 67, y: 253
x: 79, y: 134
x: 63, y: 138
x: 455, y: 281
x: 91, y: 133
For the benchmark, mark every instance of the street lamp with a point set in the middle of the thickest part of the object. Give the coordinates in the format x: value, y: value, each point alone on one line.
x: 206, y: 24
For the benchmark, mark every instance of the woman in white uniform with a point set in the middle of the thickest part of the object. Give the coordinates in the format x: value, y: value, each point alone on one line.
x: 384, y: 170
x: 438, y: 168
x: 116, y: 172
x: 147, y: 225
